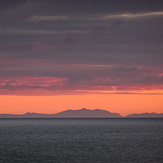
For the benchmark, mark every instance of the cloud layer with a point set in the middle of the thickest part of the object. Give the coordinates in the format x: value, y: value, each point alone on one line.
x: 80, y: 45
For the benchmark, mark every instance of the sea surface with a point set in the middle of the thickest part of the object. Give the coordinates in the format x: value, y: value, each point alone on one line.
x: 81, y: 140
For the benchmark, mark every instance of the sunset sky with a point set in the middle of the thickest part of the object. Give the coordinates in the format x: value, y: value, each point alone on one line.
x: 69, y: 54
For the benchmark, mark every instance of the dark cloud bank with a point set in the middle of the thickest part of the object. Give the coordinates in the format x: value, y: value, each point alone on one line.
x: 80, y: 45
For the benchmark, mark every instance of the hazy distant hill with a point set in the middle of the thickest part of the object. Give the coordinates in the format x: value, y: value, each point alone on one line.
x: 82, y: 113
x: 26, y: 115
x: 86, y: 113
x: 145, y: 115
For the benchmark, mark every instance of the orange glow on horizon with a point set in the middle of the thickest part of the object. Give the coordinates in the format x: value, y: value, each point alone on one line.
x: 120, y: 103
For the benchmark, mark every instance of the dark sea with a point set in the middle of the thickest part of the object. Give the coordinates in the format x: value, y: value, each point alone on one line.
x: 81, y: 140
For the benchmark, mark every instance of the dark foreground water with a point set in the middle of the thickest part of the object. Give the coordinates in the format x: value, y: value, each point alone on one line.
x: 81, y: 140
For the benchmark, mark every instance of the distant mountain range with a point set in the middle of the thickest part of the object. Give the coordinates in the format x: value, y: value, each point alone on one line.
x: 82, y: 113
x: 145, y: 115
x: 86, y: 113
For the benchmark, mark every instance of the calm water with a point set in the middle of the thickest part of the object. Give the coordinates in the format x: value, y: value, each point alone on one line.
x: 81, y: 140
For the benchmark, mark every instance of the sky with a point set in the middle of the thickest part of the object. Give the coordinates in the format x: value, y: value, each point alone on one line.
x: 68, y: 54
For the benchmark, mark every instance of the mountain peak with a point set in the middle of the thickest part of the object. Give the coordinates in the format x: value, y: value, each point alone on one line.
x: 87, y: 113
x: 85, y: 109
x: 29, y: 113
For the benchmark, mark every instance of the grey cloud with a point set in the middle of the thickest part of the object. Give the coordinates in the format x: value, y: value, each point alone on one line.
x: 20, y: 11
x: 85, y: 74
x: 90, y: 43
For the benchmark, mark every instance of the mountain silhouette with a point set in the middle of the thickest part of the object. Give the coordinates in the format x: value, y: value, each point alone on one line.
x: 145, y: 115
x: 86, y: 113
x: 82, y: 113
